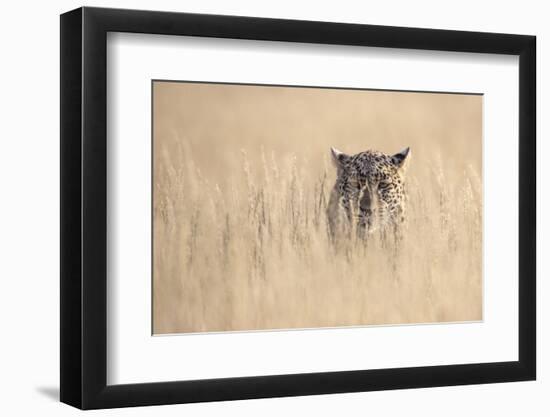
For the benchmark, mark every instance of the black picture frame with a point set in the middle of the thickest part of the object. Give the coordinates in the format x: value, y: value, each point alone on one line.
x: 84, y: 207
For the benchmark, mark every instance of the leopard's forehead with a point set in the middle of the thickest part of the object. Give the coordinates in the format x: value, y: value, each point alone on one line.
x: 369, y: 162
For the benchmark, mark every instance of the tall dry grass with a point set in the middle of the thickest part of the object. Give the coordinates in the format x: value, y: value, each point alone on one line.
x: 259, y: 256
x: 240, y: 232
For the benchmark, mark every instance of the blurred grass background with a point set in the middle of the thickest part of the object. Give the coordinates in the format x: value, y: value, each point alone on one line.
x: 242, y: 175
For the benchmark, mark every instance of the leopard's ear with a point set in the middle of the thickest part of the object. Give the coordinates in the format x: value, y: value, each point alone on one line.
x: 400, y: 159
x: 338, y: 158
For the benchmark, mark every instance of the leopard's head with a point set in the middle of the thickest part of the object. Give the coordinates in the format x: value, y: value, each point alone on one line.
x: 369, y: 187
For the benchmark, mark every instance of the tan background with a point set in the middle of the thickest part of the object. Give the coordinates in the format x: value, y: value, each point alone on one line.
x: 241, y: 174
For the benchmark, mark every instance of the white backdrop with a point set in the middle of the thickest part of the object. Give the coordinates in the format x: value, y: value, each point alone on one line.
x: 29, y: 214
x: 134, y: 356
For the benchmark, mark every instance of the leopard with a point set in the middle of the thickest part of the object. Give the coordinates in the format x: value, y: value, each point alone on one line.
x: 369, y: 193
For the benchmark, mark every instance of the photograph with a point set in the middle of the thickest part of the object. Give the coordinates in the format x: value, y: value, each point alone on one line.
x: 301, y: 207
x: 339, y: 205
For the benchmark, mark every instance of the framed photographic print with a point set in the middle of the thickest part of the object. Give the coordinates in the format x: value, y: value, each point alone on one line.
x: 257, y: 207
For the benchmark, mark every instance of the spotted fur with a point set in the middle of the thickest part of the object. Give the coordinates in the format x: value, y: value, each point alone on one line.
x: 369, y: 190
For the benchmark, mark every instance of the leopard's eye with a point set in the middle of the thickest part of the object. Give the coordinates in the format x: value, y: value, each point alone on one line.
x: 353, y: 183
